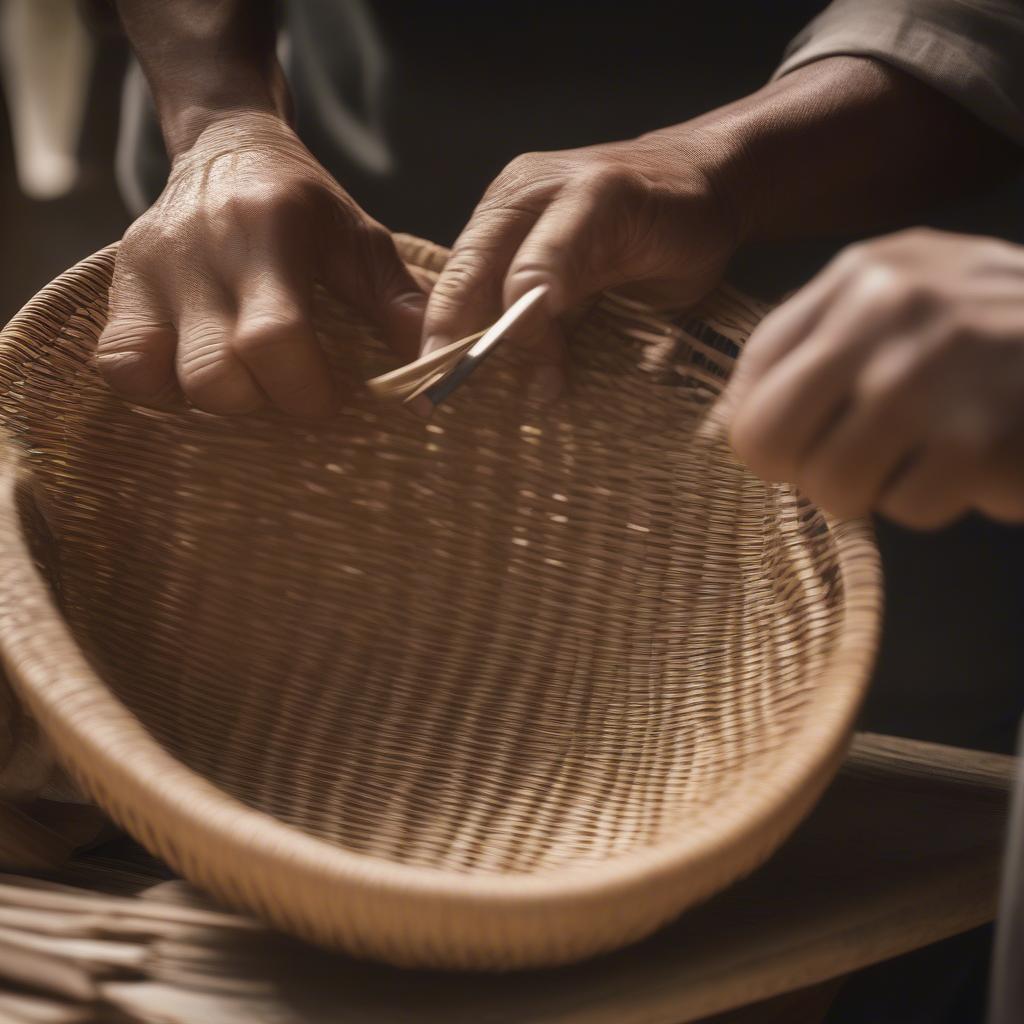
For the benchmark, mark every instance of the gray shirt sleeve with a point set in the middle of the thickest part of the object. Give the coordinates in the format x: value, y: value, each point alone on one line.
x: 970, y: 50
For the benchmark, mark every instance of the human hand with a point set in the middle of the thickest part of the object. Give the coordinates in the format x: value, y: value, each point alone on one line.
x: 894, y: 382
x: 647, y: 213
x: 213, y: 285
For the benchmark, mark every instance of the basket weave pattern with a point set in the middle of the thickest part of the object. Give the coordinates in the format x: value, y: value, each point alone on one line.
x: 507, y: 688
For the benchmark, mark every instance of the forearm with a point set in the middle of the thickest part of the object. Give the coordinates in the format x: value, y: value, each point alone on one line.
x: 204, y: 59
x: 844, y: 145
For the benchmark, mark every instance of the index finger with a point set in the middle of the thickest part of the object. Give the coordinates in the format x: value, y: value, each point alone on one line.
x: 467, y: 295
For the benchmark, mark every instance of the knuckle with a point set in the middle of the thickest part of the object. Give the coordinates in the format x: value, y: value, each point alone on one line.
x: 263, y: 201
x: 886, y: 281
x: 205, y: 340
x: 461, y: 274
x: 887, y: 380
x: 611, y: 180
x: 559, y: 265
x: 265, y: 337
x: 880, y: 282
x: 524, y: 180
x: 896, y: 291
x: 211, y: 378
x: 854, y: 258
x: 988, y: 253
x: 128, y: 334
x: 265, y: 198
x: 523, y: 167
x: 872, y: 258
x: 299, y: 202
x: 135, y: 374
x: 876, y: 388
x: 556, y: 260
x: 146, y: 240
x: 492, y: 220
x: 136, y: 238
x: 130, y: 360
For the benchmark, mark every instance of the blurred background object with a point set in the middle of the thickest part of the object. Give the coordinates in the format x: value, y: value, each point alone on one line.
x: 46, y: 54
x: 58, y: 197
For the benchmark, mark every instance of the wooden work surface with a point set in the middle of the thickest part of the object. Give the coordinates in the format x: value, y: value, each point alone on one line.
x: 903, y: 850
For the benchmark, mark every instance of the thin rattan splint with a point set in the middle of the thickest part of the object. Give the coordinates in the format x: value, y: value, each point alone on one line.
x: 506, y: 688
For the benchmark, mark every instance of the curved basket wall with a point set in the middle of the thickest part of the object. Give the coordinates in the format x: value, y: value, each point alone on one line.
x: 505, y: 689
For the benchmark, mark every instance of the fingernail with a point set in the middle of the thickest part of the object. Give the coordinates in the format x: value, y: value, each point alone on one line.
x: 546, y: 383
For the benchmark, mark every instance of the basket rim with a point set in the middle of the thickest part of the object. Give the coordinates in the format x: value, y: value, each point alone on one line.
x: 139, y: 782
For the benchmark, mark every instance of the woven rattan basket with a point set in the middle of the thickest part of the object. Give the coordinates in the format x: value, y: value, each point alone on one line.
x: 506, y: 688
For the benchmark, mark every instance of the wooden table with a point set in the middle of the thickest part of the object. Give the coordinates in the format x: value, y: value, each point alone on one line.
x: 902, y: 851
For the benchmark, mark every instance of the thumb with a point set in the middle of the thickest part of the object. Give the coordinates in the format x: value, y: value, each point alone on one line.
x: 570, y: 251
x: 588, y: 239
x: 400, y: 307
x: 369, y: 274
x: 559, y: 253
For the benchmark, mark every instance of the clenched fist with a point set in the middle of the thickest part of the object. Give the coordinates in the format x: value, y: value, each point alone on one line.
x: 213, y: 285
x: 894, y: 382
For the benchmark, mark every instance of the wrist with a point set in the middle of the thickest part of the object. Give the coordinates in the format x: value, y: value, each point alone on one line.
x: 235, y: 94
x: 842, y: 145
x: 742, y: 152
x: 185, y: 127
x: 236, y: 132
x: 785, y: 162
x: 711, y: 158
